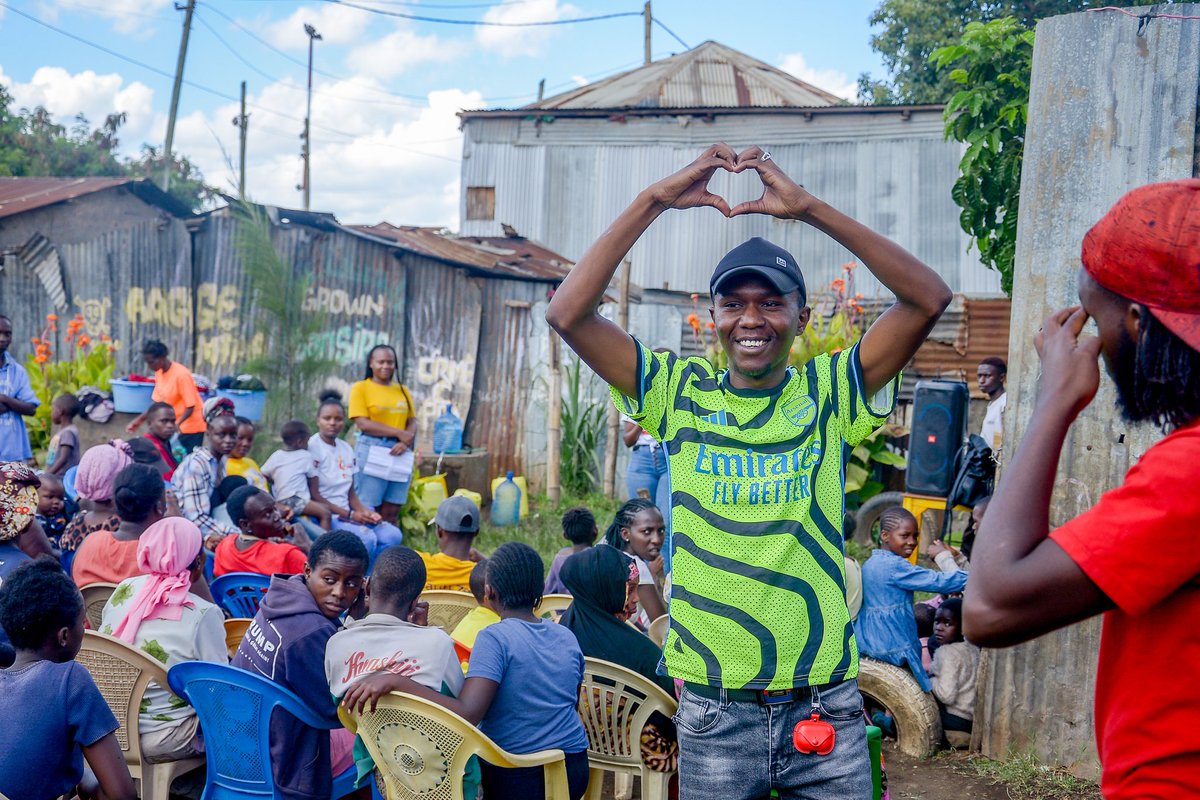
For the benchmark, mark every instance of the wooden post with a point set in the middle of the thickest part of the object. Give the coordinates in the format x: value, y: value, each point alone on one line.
x: 165, y: 183
x: 648, y: 18
x: 554, y: 424
x: 613, y: 440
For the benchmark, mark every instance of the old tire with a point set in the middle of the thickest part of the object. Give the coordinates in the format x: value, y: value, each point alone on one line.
x: 918, y: 725
x: 868, y: 515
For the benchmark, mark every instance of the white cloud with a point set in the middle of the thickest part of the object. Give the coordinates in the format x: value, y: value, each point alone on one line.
x: 580, y: 80
x: 126, y: 15
x: 392, y: 54
x: 398, y: 164
x: 336, y: 24
x: 831, y: 80
x: 521, y: 41
x: 65, y: 95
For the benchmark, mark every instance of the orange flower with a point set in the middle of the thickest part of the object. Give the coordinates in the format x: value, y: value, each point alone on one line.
x: 84, y: 340
x: 104, y: 337
x: 838, y: 285
x: 849, y: 266
x: 41, y: 359
x: 52, y: 317
x: 695, y: 295
x: 694, y: 321
x: 710, y: 324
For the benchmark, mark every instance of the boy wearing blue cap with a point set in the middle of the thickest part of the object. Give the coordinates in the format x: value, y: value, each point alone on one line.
x: 760, y: 631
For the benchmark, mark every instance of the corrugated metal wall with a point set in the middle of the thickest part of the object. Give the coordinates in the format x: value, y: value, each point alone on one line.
x: 357, y: 284
x: 564, y: 182
x: 1112, y: 106
x: 501, y: 412
x: 131, y: 283
x: 442, y: 340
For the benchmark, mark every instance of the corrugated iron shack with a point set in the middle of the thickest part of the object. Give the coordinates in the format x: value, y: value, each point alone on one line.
x: 116, y: 250
x: 561, y: 169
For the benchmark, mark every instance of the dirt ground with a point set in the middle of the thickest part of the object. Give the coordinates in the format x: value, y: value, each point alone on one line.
x: 949, y: 776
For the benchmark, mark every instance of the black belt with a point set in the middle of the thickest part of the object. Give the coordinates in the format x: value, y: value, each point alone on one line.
x: 764, y: 697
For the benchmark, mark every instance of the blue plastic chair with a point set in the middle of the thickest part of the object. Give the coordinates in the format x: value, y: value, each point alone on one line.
x: 234, y: 707
x: 68, y: 480
x: 239, y: 593
x: 210, y: 562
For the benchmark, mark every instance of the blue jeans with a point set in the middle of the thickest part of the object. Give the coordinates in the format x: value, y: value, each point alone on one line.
x: 372, y: 491
x: 376, y: 537
x: 647, y: 467
x: 742, y: 750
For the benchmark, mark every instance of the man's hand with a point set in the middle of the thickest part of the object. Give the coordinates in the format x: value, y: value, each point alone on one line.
x: 688, y: 188
x: 133, y: 426
x: 399, y: 448
x: 656, y: 566
x: 420, y: 613
x: 782, y: 197
x: 365, y: 517
x: 1070, y: 362
x: 212, y: 540
x: 936, y: 548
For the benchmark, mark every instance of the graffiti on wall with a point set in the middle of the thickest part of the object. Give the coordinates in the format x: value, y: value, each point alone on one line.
x: 442, y: 381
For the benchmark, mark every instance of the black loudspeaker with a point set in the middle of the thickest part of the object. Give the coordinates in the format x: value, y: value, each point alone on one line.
x: 939, y: 425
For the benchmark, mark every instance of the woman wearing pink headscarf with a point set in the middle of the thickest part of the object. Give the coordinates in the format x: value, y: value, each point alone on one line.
x: 94, y: 478
x: 157, y: 613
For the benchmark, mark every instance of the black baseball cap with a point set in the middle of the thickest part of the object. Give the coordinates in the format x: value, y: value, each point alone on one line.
x: 760, y: 257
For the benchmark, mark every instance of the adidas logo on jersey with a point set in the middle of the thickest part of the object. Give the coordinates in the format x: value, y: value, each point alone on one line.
x: 721, y: 417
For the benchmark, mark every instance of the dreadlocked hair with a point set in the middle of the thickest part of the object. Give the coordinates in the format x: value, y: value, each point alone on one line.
x: 894, y: 517
x: 1166, y: 376
x: 623, y: 519
x: 516, y: 573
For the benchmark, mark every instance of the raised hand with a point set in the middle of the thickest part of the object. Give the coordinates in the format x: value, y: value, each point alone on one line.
x: 688, y: 188
x: 1070, y: 362
x: 782, y: 197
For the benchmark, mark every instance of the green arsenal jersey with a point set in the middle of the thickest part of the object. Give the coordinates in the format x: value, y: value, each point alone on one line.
x: 758, y: 596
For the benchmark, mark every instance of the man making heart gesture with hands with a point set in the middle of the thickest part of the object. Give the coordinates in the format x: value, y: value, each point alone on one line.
x: 760, y: 632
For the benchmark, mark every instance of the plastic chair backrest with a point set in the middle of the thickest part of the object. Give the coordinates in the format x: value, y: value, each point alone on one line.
x: 421, y: 749
x: 122, y: 673
x: 615, y: 703
x: 658, y: 629
x: 235, y: 629
x: 447, y: 608
x: 239, y: 593
x: 68, y: 481
x: 95, y: 595
x: 553, y: 606
x: 235, y: 707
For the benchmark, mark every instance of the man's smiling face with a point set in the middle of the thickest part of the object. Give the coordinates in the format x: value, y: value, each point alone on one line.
x: 756, y: 326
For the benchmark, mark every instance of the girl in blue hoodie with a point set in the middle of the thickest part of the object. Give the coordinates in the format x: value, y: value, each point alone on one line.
x: 286, y: 643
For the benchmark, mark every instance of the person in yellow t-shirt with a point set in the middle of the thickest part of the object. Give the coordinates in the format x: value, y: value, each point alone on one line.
x: 477, y: 618
x: 239, y: 462
x: 457, y: 521
x: 385, y: 415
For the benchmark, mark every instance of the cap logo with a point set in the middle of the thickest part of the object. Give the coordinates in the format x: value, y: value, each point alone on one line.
x: 779, y: 260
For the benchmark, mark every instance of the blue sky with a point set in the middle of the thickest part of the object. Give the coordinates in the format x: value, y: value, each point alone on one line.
x: 385, y: 142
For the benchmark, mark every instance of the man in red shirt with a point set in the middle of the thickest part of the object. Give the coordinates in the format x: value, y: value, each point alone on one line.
x: 1133, y: 556
x: 260, y: 546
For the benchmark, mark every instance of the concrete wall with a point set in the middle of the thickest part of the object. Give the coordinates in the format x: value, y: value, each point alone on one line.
x: 1109, y: 110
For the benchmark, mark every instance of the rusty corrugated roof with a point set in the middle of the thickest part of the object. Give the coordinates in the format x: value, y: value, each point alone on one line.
x: 709, y: 75
x: 18, y: 195
x: 972, y: 332
x: 503, y: 255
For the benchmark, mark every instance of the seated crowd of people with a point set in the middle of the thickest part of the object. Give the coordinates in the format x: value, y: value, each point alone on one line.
x: 342, y: 619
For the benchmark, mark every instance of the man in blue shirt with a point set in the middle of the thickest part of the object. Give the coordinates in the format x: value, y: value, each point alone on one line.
x: 16, y: 400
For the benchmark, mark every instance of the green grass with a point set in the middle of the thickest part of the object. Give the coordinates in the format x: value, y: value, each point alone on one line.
x: 1028, y: 779
x: 541, y: 529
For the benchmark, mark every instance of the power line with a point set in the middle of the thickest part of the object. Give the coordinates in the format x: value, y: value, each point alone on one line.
x: 448, y: 6
x: 659, y: 23
x: 208, y: 89
x: 485, y: 23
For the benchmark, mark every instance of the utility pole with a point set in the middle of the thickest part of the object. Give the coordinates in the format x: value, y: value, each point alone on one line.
x: 241, y: 122
x: 183, y: 43
x: 648, y: 17
x: 307, y: 185
x: 541, y: 89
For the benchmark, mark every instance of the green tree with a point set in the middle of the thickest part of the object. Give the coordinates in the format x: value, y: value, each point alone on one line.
x: 291, y: 367
x: 33, y: 144
x: 991, y: 66
x: 912, y: 29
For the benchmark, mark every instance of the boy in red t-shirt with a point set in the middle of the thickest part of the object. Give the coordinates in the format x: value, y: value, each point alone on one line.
x: 260, y: 546
x: 1142, y: 287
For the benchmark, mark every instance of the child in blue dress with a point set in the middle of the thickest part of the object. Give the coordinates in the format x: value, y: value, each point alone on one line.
x: 886, y: 627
